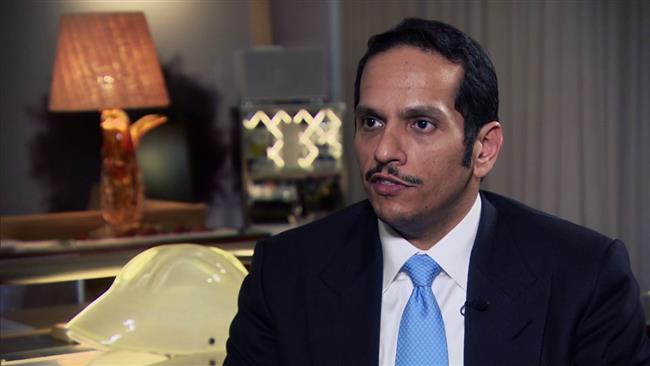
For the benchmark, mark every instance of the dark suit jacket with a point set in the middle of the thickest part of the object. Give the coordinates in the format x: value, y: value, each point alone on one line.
x: 544, y: 292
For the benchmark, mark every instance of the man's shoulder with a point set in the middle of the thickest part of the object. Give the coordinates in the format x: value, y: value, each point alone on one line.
x: 521, y: 217
x: 541, y: 235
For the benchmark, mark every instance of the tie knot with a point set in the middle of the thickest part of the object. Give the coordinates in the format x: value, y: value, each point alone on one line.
x: 422, y: 269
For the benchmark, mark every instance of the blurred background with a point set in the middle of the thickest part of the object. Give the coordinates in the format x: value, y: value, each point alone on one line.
x: 574, y: 87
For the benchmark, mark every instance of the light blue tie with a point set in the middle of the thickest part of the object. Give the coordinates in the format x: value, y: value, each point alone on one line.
x: 421, y: 340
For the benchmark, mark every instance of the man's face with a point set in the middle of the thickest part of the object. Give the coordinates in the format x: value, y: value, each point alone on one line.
x: 409, y: 142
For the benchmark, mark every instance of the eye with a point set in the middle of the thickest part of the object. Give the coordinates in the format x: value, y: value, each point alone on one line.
x: 424, y: 125
x: 370, y: 123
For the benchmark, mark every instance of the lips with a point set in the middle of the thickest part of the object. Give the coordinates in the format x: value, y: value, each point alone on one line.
x: 388, y: 185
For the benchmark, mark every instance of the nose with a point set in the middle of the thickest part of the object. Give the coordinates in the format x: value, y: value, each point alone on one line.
x: 389, y: 148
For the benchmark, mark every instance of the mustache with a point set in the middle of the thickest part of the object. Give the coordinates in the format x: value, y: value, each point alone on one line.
x: 391, y: 170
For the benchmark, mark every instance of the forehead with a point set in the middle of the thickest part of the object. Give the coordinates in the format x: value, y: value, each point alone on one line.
x: 410, y: 69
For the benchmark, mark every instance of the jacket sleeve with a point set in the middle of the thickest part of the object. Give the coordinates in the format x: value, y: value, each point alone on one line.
x: 252, y: 339
x: 612, y: 330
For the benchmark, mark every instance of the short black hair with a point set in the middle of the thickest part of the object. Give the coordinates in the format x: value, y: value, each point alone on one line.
x: 477, y: 99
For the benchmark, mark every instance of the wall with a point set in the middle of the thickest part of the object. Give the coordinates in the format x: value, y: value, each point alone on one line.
x: 299, y: 24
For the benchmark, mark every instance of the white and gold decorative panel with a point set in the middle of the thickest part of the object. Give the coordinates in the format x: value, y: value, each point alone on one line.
x: 291, y: 160
x: 295, y: 140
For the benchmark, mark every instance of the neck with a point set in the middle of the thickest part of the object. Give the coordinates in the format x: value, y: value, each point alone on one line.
x: 432, y: 229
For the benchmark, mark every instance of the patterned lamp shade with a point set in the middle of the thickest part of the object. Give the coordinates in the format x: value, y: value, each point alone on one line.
x: 106, y: 60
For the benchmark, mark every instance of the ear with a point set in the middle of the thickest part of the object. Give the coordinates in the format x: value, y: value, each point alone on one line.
x: 486, y: 148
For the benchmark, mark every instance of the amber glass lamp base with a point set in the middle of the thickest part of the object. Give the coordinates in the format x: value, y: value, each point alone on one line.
x: 122, y: 188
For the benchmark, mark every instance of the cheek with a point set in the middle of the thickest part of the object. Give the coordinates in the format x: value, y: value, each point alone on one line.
x: 435, y: 167
x: 362, y: 150
x: 425, y: 161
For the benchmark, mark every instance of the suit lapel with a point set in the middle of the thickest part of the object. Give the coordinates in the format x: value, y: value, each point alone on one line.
x: 506, y: 322
x: 344, y: 310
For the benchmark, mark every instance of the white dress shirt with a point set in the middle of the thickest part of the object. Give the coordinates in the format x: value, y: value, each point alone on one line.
x: 452, y: 253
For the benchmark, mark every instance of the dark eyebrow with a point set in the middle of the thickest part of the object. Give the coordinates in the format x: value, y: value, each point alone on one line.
x: 410, y: 112
x: 362, y: 110
x: 423, y: 110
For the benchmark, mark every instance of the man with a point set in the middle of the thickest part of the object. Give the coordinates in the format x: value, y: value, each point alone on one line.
x: 430, y: 270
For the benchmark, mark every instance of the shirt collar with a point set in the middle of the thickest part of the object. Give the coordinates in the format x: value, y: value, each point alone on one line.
x: 452, y: 252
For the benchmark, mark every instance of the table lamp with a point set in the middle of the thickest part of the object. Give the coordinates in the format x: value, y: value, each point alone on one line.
x: 107, y: 62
